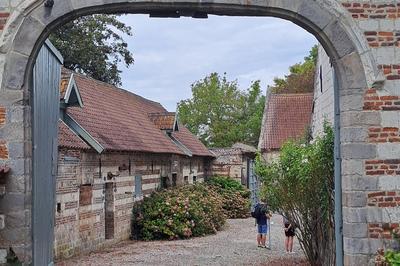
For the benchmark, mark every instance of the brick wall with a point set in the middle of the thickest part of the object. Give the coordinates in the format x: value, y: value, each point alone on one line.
x: 95, y: 195
x: 3, y: 19
x: 373, y: 101
x: 359, y: 10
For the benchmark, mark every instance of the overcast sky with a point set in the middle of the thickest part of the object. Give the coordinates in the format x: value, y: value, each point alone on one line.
x: 171, y: 54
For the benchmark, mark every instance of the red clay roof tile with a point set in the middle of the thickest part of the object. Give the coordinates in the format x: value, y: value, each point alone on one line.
x: 68, y: 139
x: 163, y: 121
x: 286, y: 117
x: 119, y: 120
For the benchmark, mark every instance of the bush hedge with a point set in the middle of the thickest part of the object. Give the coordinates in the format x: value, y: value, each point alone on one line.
x: 177, y: 213
x: 189, y: 211
x: 235, y: 197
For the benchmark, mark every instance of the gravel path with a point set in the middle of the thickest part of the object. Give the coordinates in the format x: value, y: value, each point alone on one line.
x: 236, y: 245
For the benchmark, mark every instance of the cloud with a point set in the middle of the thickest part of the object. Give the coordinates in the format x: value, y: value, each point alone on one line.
x: 171, y: 54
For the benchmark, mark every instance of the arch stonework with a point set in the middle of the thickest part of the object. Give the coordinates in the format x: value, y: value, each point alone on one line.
x: 359, y: 36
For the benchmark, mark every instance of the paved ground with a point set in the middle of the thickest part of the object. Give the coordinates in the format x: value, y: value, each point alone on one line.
x: 236, y: 245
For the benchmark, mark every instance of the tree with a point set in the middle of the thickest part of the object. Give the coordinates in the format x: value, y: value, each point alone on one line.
x: 300, y: 186
x: 301, y: 76
x: 93, y: 46
x: 220, y: 114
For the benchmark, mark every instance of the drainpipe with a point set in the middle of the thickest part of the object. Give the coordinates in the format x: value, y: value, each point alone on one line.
x: 338, y: 173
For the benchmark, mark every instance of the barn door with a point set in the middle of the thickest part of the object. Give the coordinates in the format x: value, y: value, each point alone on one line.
x: 46, y: 82
x: 254, y: 184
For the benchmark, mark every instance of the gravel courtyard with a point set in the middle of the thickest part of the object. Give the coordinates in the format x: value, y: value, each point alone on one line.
x: 236, y: 245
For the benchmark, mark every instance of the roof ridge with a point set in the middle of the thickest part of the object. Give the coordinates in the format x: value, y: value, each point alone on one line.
x: 293, y: 94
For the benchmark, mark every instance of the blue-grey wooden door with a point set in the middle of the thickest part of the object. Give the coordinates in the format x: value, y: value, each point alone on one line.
x: 46, y: 81
x: 254, y: 184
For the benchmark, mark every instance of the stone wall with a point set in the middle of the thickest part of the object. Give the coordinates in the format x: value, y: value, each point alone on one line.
x: 230, y: 162
x: 95, y: 194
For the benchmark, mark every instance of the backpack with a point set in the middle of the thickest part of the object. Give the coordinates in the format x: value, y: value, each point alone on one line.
x: 257, y: 211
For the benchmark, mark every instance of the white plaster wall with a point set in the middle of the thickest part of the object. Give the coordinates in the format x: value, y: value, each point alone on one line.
x: 323, y: 97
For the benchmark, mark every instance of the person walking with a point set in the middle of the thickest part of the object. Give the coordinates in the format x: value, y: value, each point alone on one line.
x: 289, y: 235
x: 262, y: 216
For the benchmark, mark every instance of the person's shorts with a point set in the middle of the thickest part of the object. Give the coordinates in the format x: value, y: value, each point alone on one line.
x: 290, y: 232
x: 262, y: 229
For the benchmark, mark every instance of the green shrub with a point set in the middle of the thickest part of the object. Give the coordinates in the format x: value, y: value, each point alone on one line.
x: 236, y: 198
x: 389, y: 257
x: 181, y: 212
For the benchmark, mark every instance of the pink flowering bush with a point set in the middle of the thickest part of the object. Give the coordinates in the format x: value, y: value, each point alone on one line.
x: 235, y: 197
x: 178, y: 213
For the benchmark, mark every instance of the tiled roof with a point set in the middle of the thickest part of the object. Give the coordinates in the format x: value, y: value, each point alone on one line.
x: 237, y: 148
x: 119, y: 120
x: 163, y: 121
x: 286, y: 116
x: 68, y: 139
x: 191, y: 142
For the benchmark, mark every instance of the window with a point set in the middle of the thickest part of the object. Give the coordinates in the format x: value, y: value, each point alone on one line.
x: 58, y: 207
x: 138, y: 186
x: 194, y: 179
x: 186, y: 179
x: 320, y: 76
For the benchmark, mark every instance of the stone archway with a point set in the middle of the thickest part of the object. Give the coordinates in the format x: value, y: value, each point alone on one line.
x: 30, y: 21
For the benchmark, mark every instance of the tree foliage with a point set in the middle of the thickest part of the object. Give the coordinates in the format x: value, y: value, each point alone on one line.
x: 93, y: 45
x: 300, y: 186
x: 220, y: 114
x: 301, y: 76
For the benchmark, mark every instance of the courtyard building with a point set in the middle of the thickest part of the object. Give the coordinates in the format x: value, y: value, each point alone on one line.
x: 233, y: 162
x: 115, y: 148
x: 286, y: 117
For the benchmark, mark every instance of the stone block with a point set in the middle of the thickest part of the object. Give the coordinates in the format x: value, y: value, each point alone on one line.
x: 355, y: 230
x: 354, y: 119
x: 12, y: 132
x: 388, y: 150
x: 354, y: 199
x: 352, y: 102
x: 358, y: 246
x: 390, y: 119
x: 388, y: 183
x: 16, y: 150
x: 29, y: 32
x: 313, y: 12
x: 352, y: 75
x: 47, y: 15
x: 15, y: 114
x: 17, y: 219
x: 356, y: 134
x: 383, y: 215
x: 340, y: 40
x: 12, y: 202
x: 355, y: 215
x: 10, y: 97
x: 3, y: 256
x: 352, y: 167
x: 14, y: 73
x: 358, y: 151
x: 355, y: 260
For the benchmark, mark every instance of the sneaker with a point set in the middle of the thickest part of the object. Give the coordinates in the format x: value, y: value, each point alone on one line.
x: 260, y: 246
x: 268, y: 247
